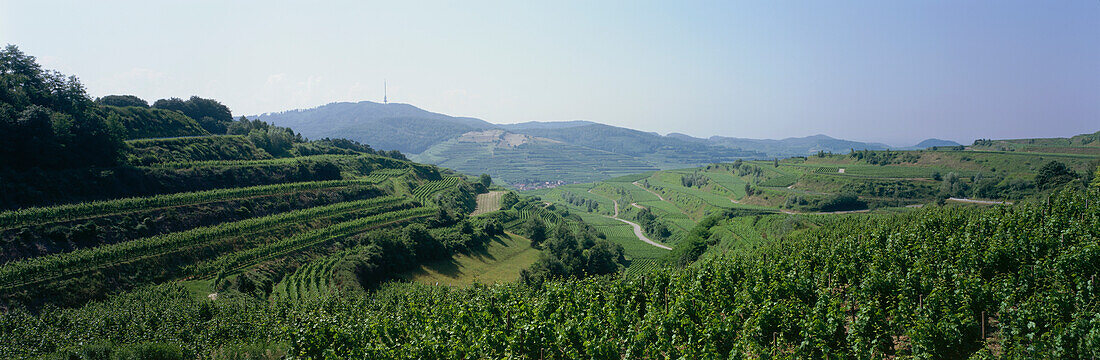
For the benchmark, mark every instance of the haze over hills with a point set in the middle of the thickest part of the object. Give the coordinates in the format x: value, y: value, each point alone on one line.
x: 386, y: 126
x: 592, y: 150
x: 935, y: 142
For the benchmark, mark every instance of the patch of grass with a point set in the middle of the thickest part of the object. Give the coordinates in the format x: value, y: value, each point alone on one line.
x: 500, y: 262
x: 201, y: 288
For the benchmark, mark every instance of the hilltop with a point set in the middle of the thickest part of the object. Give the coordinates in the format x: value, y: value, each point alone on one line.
x: 401, y: 127
x: 934, y: 143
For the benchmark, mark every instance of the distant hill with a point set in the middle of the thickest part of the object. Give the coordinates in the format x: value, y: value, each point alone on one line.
x: 384, y: 126
x: 936, y: 142
x: 932, y: 143
x: 636, y: 143
x: 796, y: 146
x: 541, y: 150
x: 545, y: 124
x: 514, y: 158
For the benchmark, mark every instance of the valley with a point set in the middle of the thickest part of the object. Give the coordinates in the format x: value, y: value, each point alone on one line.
x: 175, y: 230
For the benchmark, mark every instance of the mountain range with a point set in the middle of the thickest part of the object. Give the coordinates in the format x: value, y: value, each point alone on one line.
x: 531, y: 152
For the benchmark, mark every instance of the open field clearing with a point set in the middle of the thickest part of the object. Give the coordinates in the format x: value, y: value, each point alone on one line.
x: 500, y: 262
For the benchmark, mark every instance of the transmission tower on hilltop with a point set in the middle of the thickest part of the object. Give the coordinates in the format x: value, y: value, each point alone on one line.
x: 385, y: 100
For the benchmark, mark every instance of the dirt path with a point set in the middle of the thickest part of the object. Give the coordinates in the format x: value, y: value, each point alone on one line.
x: 983, y: 202
x: 637, y: 228
x: 650, y: 191
x: 663, y: 198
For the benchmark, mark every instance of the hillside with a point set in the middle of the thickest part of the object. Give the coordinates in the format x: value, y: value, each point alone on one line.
x: 1079, y: 144
x: 241, y: 208
x: 669, y: 203
x: 661, y: 151
x: 522, y: 160
x: 401, y: 127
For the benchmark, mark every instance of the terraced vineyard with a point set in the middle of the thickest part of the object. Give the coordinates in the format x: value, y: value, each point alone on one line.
x: 641, y: 267
x: 71, y: 212
x: 299, y: 219
x: 22, y: 273
x: 314, y: 280
x: 426, y: 191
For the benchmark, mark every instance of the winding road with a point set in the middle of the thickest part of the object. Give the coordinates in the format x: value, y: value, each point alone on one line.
x: 637, y: 228
x: 984, y: 202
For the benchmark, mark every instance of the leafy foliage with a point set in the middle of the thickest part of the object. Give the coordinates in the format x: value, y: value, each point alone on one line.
x: 48, y: 121
x: 920, y: 285
x: 143, y: 122
x: 122, y: 101
x: 1054, y: 174
x: 211, y: 114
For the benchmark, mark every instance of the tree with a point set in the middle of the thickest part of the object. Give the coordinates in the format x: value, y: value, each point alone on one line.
x: 122, y: 101
x: 535, y: 230
x: 48, y: 121
x: 211, y: 114
x: 1054, y: 174
x: 1091, y: 177
x: 485, y: 180
x: 508, y: 200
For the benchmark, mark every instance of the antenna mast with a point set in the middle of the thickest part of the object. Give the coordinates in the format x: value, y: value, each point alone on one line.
x: 385, y: 100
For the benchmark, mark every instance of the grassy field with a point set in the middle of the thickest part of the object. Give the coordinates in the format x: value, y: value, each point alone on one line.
x: 500, y: 262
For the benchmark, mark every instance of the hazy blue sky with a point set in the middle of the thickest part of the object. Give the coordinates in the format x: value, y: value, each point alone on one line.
x: 885, y: 71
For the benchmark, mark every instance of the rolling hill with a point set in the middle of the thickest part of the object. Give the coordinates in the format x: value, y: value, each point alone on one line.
x: 400, y: 127
x: 556, y: 151
x: 934, y: 142
x: 523, y: 159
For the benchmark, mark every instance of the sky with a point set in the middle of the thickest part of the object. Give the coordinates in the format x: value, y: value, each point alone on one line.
x: 889, y: 71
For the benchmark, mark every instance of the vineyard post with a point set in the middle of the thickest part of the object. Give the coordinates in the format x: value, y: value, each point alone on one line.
x: 983, y: 325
